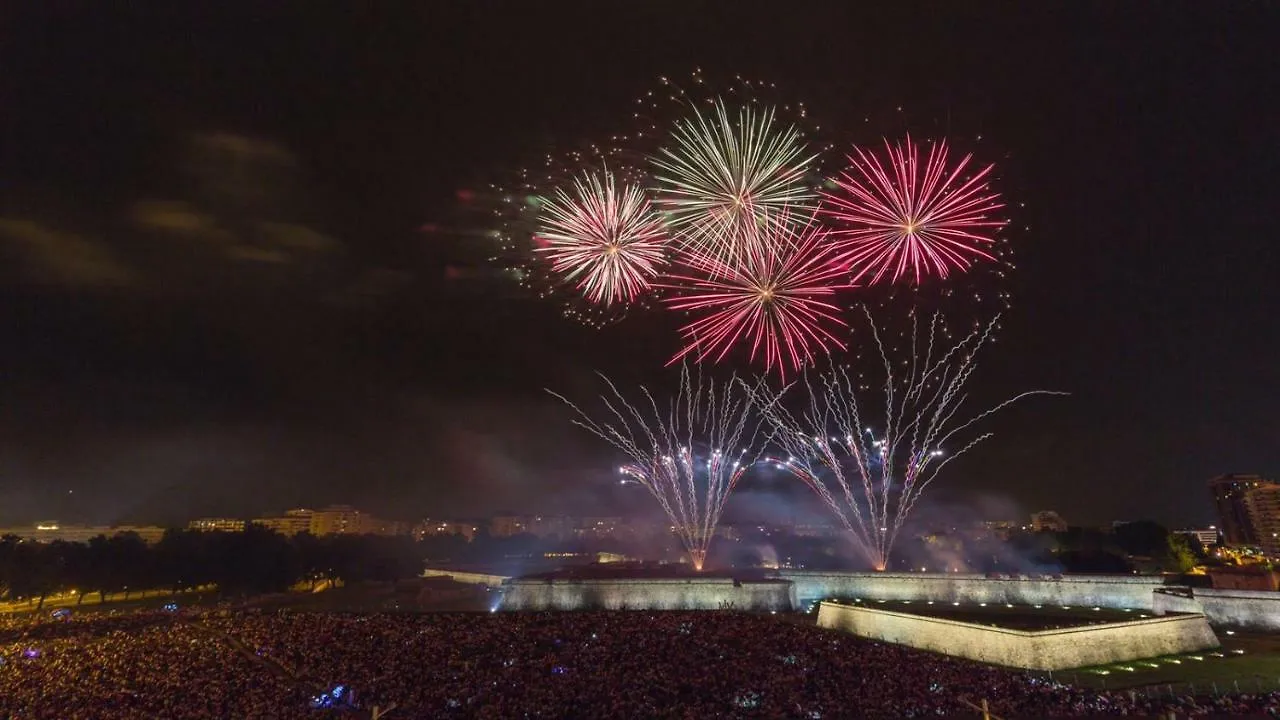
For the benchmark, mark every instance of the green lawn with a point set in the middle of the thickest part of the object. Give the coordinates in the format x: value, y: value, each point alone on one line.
x: 92, y: 603
x: 1013, y: 617
x: 1253, y: 661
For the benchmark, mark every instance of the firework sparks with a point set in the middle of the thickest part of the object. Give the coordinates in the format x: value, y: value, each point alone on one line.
x: 908, y: 214
x: 722, y: 174
x: 689, y: 454
x: 603, y: 237
x: 776, y: 299
x: 871, y: 478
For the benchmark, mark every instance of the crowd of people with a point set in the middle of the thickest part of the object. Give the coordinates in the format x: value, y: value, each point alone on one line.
x: 135, y: 666
x: 549, y: 665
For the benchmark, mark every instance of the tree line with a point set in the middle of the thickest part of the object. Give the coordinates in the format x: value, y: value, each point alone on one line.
x: 253, y: 561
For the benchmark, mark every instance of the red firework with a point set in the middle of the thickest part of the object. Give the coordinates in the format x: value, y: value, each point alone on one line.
x: 908, y: 214
x: 776, y: 299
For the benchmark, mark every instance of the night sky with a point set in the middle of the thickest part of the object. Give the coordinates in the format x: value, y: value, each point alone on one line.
x: 336, y: 336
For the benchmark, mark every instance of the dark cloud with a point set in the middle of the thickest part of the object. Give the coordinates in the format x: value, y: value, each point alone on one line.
x: 49, y: 257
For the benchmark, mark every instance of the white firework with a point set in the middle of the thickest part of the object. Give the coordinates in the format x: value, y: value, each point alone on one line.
x: 725, y: 173
x: 604, y: 237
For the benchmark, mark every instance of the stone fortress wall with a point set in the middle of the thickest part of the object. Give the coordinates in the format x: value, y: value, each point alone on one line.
x: 710, y: 593
x: 1244, y: 609
x: 1055, y: 649
x: 1108, y: 591
x: 467, y: 578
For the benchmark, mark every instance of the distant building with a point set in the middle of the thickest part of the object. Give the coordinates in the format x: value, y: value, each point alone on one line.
x: 552, y: 526
x: 547, y: 526
x: 289, y: 524
x: 1207, y: 536
x: 599, y: 526
x: 370, y: 525
x: 1263, y: 505
x: 1048, y: 521
x: 431, y: 528
x: 216, y: 525
x: 332, y: 520
x: 1000, y: 529
x: 336, y: 520
x: 1229, y: 496
x: 589, y: 557
x: 50, y: 531
x: 1253, y: 577
x: 150, y: 534
x: 508, y: 525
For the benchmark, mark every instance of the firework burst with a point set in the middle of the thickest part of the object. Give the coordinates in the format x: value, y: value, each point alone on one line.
x: 603, y: 238
x: 912, y: 214
x: 726, y: 172
x: 689, y: 454
x: 567, y: 195
x: 776, y: 299
x: 871, y: 478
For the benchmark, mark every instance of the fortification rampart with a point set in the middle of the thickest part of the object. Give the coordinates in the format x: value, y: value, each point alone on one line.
x: 1056, y: 649
x: 1245, y: 609
x: 1108, y: 591
x: 712, y: 593
x: 469, y: 578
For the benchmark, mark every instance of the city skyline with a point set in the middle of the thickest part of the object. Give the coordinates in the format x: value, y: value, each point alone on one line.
x: 341, y: 337
x: 347, y: 519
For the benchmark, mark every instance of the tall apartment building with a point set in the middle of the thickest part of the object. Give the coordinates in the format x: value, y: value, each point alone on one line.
x: 1230, y: 493
x: 1263, y: 505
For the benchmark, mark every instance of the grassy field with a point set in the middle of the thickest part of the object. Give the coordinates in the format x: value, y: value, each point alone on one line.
x: 378, y: 597
x: 1013, y: 617
x: 1250, y: 660
x: 92, y: 603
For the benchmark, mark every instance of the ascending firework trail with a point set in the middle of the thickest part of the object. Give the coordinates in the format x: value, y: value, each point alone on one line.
x: 871, y: 477
x: 688, y: 453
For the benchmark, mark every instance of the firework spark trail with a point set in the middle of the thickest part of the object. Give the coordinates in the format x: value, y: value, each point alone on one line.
x: 871, y: 483
x: 664, y: 445
x: 900, y: 218
x: 776, y: 298
x: 604, y: 238
x: 720, y: 176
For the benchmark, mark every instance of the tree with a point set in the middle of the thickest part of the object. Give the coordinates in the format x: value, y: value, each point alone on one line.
x: 38, y: 570
x: 128, y: 564
x: 1143, y: 539
x: 8, y: 564
x: 256, y: 560
x: 182, y: 559
x: 1182, y: 552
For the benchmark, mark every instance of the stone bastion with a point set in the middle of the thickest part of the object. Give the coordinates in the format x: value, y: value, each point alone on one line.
x: 1108, y: 591
x: 1049, y: 649
x: 652, y: 590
